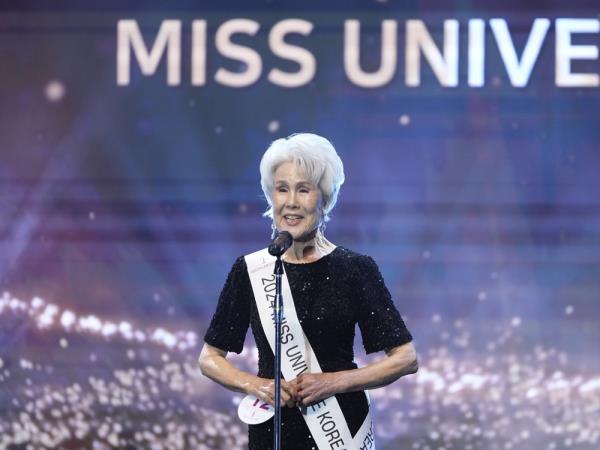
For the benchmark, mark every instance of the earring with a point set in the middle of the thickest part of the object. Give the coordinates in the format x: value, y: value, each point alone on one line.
x: 273, y: 230
x: 322, y: 225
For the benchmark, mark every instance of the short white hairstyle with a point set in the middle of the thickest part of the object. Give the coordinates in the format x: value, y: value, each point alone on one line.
x: 315, y: 155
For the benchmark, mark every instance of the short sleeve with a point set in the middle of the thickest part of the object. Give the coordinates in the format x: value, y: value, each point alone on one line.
x: 380, y: 323
x: 228, y: 327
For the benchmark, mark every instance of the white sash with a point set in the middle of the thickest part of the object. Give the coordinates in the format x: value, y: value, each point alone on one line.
x: 324, y: 419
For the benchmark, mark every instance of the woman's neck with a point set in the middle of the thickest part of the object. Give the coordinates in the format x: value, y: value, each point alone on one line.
x: 309, y: 251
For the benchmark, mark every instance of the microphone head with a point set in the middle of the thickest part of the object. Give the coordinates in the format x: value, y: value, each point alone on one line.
x: 286, y: 238
x: 281, y: 243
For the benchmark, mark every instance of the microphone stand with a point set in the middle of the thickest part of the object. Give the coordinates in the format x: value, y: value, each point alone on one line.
x: 278, y: 271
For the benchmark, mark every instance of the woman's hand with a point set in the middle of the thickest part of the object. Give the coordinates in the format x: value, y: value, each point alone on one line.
x: 314, y: 387
x: 264, y: 389
x: 214, y: 365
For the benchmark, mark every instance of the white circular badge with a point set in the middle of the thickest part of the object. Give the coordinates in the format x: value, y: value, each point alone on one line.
x: 252, y: 410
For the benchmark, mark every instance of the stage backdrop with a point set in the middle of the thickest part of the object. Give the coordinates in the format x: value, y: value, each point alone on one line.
x: 130, y: 137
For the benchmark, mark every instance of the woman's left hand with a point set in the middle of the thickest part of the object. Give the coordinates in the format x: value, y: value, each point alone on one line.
x: 313, y: 387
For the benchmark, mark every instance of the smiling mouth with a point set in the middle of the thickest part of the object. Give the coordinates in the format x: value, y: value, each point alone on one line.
x: 292, y: 219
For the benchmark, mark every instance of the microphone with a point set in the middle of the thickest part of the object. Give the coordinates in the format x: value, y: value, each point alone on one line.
x: 281, y: 243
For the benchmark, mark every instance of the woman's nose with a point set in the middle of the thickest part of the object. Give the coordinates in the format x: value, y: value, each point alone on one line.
x: 291, y: 200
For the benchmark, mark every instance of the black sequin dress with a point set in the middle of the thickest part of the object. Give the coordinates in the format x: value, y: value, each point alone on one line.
x: 331, y: 295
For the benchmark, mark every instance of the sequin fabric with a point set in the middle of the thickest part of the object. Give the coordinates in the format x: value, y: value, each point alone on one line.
x: 332, y: 295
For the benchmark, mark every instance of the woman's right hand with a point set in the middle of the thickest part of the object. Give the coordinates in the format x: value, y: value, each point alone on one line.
x: 215, y: 366
x: 264, y: 389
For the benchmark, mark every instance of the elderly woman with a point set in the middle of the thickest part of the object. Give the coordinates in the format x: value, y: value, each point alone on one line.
x: 333, y: 289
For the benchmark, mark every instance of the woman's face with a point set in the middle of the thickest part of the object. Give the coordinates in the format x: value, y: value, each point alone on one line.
x: 296, y: 201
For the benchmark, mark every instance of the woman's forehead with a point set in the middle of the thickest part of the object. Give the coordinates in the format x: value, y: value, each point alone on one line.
x: 289, y: 171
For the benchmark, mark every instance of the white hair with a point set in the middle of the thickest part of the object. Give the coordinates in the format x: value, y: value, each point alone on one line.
x: 315, y: 155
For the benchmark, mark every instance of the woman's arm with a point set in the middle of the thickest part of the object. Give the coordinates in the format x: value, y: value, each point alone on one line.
x: 400, y: 361
x: 214, y: 365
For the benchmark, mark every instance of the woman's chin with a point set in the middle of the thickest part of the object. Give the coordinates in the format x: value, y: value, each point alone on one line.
x: 294, y: 231
x: 303, y: 235
x: 299, y: 233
